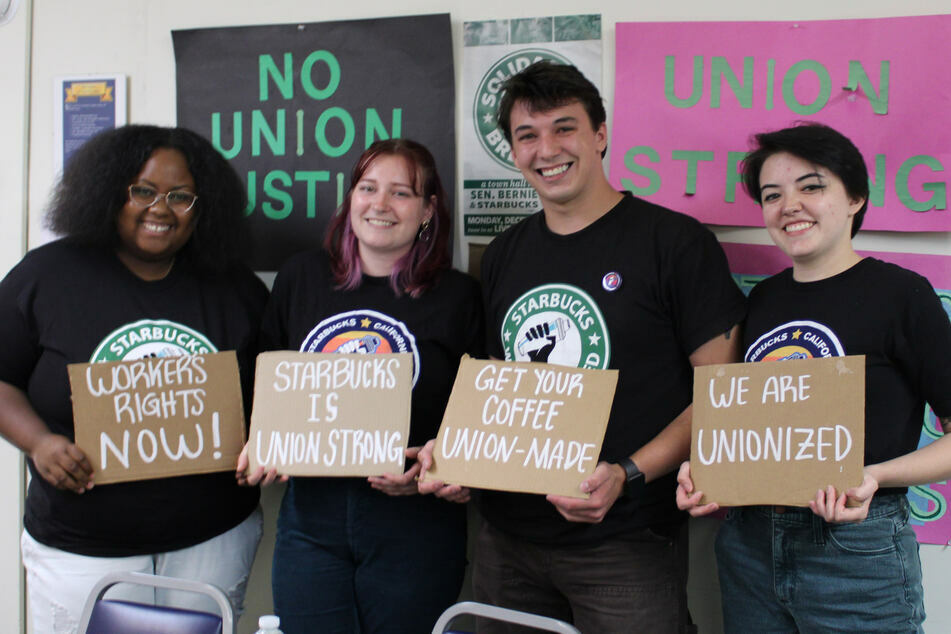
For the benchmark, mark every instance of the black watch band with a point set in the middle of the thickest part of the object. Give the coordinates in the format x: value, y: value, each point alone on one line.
x: 634, y: 479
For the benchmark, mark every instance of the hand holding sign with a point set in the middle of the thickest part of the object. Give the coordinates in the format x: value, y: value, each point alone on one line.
x: 247, y: 477
x: 604, y: 487
x: 62, y: 463
x: 851, y: 506
x: 689, y: 498
x: 429, y: 485
x: 404, y: 484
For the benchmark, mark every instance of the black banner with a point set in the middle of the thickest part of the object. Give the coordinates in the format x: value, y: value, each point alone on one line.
x: 293, y: 106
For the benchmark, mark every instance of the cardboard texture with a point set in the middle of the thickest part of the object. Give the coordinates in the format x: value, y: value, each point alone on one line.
x: 528, y: 427
x: 775, y: 433
x: 327, y: 414
x: 158, y: 417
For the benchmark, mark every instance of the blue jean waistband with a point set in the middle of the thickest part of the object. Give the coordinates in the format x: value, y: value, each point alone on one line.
x: 881, y: 506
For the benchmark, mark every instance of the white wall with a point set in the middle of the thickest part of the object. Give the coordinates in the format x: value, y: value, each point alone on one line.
x: 133, y: 37
x: 14, y: 141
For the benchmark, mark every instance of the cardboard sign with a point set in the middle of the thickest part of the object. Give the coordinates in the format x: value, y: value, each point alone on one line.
x: 529, y: 427
x: 159, y: 416
x: 327, y: 414
x: 775, y: 433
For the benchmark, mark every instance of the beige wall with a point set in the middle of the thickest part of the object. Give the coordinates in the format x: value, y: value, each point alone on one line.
x: 64, y: 37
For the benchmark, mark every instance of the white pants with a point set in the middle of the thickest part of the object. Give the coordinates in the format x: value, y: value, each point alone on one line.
x: 58, y: 582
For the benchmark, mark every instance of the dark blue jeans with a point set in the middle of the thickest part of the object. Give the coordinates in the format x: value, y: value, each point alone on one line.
x: 791, y: 571
x: 349, y: 559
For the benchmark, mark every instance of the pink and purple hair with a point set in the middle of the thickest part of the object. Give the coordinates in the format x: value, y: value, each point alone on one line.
x: 428, y: 257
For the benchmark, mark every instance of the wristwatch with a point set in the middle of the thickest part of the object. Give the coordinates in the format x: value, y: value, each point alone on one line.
x: 634, y: 479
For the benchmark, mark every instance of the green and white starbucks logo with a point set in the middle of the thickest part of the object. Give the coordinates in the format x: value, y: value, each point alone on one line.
x: 487, y: 100
x: 556, y: 323
x: 151, y: 338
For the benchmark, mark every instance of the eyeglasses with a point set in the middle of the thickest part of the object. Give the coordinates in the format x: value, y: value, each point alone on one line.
x: 178, y: 201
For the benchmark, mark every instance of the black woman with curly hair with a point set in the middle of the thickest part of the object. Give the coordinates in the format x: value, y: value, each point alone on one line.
x: 149, y: 264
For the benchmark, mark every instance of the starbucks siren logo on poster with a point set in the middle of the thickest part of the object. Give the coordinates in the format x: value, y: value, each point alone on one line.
x: 556, y: 323
x: 151, y: 338
x: 487, y: 100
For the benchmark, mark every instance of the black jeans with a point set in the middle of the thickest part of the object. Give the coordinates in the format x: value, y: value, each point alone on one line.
x: 635, y: 582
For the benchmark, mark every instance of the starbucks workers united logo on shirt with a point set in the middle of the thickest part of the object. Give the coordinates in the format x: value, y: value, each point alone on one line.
x: 362, y: 332
x: 556, y: 323
x: 801, y: 339
x: 151, y: 338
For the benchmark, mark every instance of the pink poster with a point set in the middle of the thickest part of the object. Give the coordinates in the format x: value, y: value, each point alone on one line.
x: 929, y: 503
x: 688, y: 95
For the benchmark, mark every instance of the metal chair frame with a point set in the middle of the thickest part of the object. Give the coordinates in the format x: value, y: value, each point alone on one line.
x: 502, y: 614
x: 156, y: 581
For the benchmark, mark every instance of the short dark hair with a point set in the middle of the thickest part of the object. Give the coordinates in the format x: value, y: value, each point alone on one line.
x: 94, y: 187
x: 817, y: 144
x: 545, y: 85
x: 418, y: 270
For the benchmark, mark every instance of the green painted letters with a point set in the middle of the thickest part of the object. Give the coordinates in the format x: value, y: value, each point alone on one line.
x: 692, y: 157
x: 652, y: 176
x: 938, y: 198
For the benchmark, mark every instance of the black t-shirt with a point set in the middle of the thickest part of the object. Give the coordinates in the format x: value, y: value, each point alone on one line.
x: 889, y: 314
x: 638, y: 290
x: 308, y: 313
x: 69, y: 304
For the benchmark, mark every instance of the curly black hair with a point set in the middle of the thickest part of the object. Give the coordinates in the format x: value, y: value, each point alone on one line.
x: 94, y: 187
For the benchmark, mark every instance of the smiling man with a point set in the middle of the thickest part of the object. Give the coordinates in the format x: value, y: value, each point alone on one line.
x: 599, y: 279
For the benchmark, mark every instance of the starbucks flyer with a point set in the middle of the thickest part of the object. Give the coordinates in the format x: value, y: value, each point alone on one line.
x: 495, y: 196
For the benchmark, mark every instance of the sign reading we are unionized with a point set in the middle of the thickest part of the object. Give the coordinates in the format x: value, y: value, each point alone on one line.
x: 529, y: 427
x: 159, y: 416
x: 331, y: 414
x: 689, y: 95
x: 292, y: 107
x: 777, y: 432
x: 928, y: 503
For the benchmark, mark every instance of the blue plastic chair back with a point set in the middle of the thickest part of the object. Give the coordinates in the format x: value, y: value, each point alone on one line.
x: 108, y: 616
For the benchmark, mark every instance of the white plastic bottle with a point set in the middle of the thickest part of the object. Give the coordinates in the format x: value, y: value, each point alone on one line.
x: 269, y: 624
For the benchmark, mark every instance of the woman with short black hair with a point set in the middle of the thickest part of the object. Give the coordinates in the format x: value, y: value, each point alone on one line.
x: 850, y: 561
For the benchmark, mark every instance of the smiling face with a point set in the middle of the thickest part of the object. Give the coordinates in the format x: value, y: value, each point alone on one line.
x: 149, y: 237
x: 559, y: 153
x: 386, y: 213
x: 808, y: 215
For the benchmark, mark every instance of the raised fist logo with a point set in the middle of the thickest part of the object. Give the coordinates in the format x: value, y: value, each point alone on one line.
x: 553, y: 332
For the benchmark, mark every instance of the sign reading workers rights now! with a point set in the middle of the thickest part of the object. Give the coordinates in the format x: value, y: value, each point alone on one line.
x: 159, y: 416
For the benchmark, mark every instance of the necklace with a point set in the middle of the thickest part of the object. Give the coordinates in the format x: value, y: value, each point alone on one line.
x: 168, y: 270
